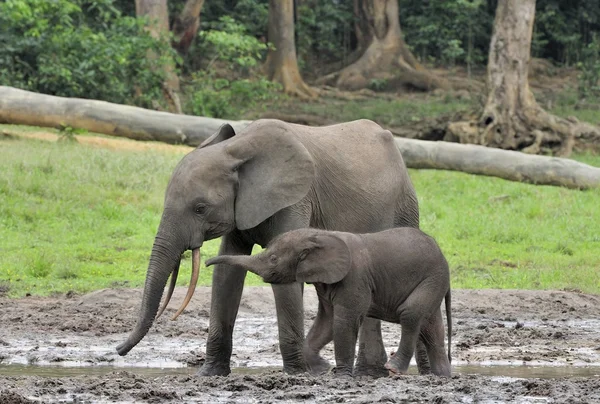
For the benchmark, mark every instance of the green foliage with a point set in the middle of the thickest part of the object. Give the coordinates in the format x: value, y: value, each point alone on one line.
x: 378, y: 84
x: 221, y: 98
x: 79, y: 48
x: 456, y: 31
x: 564, y: 28
x: 252, y: 14
x: 323, y: 32
x: 589, y: 77
x: 226, y: 43
x: 89, y: 223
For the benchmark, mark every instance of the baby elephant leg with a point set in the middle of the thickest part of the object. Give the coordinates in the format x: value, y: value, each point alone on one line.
x: 320, y: 334
x: 398, y: 363
x: 410, y: 314
x: 413, y: 314
x: 371, y: 351
x: 432, y: 334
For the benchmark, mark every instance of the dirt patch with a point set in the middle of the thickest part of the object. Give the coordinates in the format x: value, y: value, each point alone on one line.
x: 106, y: 143
x: 554, y: 329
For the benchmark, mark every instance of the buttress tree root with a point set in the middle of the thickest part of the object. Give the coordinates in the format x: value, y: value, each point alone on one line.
x: 511, y: 118
x: 384, y: 54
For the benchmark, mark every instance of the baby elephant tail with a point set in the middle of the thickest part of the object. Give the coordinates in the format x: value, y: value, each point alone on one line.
x: 448, y: 301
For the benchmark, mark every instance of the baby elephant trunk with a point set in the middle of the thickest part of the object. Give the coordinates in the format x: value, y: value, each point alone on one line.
x: 247, y: 262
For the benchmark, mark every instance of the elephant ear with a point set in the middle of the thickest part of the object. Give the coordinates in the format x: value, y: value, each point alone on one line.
x: 328, y: 261
x: 275, y: 171
x: 224, y: 132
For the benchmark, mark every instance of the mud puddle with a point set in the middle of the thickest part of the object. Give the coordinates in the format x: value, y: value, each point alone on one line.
x: 507, y: 346
x: 541, y: 372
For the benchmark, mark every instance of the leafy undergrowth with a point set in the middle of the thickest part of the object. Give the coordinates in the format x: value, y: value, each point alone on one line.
x: 78, y: 218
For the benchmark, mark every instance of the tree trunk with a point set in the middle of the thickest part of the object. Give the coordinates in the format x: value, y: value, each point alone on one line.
x: 512, y: 119
x: 24, y: 107
x: 158, y: 14
x: 384, y: 52
x: 282, y: 65
x: 186, y: 25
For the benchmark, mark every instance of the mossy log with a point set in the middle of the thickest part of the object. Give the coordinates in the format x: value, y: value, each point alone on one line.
x: 24, y: 107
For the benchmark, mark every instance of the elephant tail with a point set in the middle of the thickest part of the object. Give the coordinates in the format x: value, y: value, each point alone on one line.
x: 448, y: 301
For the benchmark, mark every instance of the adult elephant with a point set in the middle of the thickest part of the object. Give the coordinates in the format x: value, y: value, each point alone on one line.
x: 271, y: 178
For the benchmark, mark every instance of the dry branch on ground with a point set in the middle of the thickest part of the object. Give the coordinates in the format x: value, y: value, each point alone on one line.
x: 29, y: 108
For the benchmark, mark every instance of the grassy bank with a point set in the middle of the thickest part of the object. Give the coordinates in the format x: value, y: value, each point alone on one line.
x: 78, y: 218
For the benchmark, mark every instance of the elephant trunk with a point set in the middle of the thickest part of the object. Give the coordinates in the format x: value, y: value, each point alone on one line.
x: 251, y: 263
x: 164, y: 260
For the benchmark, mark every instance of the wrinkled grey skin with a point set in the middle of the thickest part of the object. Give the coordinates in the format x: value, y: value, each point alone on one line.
x: 252, y: 186
x: 398, y: 275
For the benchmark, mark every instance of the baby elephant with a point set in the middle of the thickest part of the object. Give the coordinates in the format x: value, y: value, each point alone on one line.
x: 398, y: 275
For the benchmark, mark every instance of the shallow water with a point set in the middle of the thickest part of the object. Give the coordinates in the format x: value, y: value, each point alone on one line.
x: 542, y: 372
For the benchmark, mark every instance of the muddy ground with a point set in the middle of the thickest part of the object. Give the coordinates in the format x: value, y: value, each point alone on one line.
x: 508, y: 346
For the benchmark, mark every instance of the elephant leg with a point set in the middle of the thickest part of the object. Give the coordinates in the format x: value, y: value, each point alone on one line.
x: 371, y: 352
x: 319, y: 335
x: 432, y: 334
x: 290, y: 322
x: 346, y: 323
x: 407, y: 215
x: 421, y: 358
x: 227, y: 287
x: 398, y: 364
x: 288, y: 297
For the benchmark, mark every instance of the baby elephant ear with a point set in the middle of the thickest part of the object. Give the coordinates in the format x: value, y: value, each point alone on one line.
x: 327, y: 262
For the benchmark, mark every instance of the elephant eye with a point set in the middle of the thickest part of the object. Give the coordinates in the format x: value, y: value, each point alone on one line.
x: 200, y: 209
x: 273, y: 259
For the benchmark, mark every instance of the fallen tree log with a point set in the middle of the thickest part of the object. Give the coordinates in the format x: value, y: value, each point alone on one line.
x: 24, y: 107
x: 507, y: 164
x: 29, y: 108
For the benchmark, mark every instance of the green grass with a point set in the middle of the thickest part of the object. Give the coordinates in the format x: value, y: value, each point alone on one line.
x: 78, y: 218
x: 387, y: 112
x: 501, y: 234
x: 411, y: 108
x: 568, y: 103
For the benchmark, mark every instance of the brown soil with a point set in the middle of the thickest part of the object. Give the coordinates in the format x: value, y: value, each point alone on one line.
x: 540, y: 333
x: 105, y: 143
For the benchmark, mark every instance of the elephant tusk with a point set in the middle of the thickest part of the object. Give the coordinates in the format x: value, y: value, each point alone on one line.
x: 193, y: 282
x: 169, y: 293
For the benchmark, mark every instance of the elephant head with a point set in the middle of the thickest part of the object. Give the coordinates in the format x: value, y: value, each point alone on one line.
x: 230, y: 181
x: 303, y: 255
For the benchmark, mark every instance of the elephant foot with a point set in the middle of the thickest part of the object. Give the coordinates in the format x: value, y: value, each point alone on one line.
x: 393, y: 369
x: 212, y: 369
x: 319, y: 366
x: 341, y: 373
x: 294, y: 370
x: 371, y: 365
x: 371, y: 371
